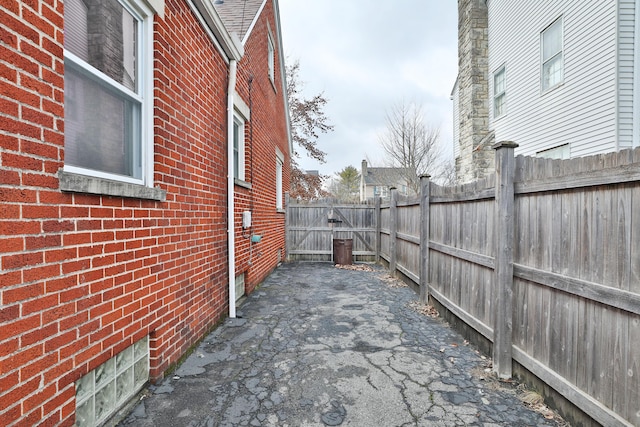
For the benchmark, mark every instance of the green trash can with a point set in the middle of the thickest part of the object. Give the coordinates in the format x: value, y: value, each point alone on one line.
x: 342, y: 251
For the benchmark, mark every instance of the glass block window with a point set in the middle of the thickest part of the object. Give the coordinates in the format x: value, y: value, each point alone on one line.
x: 103, y: 391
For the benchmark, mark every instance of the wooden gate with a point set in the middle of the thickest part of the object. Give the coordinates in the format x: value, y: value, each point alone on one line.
x: 311, y: 228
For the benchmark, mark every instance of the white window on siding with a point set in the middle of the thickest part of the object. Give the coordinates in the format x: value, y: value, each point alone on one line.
x: 499, y: 93
x: 552, y: 58
x: 272, y: 59
x: 238, y: 148
x: 103, y: 391
x: 279, y: 167
x: 381, y: 191
x: 108, y: 90
x: 559, y: 152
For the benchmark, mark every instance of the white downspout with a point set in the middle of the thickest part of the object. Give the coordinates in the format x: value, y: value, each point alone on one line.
x: 636, y: 79
x: 230, y: 191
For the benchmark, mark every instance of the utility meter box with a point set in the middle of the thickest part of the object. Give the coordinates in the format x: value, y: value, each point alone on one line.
x: 246, y: 219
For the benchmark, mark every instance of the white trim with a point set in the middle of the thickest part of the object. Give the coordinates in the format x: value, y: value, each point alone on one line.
x: 230, y: 44
x: 636, y: 78
x: 231, y: 236
x: 253, y: 23
x: 240, y: 122
x: 241, y: 107
x: 140, y: 10
x: 157, y: 6
x: 271, y: 55
x: 283, y: 73
x: 279, y: 179
x: 544, y: 90
x: 502, y: 69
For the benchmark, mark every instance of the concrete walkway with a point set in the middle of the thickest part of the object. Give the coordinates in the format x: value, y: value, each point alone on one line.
x: 317, y: 345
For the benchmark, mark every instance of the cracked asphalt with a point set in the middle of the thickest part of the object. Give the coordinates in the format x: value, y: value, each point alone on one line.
x: 317, y: 345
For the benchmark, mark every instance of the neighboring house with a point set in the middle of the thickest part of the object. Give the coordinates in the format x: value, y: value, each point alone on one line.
x: 124, y: 128
x: 555, y: 77
x: 377, y: 182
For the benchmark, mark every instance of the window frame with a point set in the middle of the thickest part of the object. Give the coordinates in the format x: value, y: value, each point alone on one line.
x: 100, y: 182
x: 271, y: 58
x: 279, y: 180
x: 500, y: 98
x: 560, y: 152
x: 239, y: 150
x: 557, y: 56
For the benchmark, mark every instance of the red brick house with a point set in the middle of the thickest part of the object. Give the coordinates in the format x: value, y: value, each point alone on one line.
x: 125, y: 127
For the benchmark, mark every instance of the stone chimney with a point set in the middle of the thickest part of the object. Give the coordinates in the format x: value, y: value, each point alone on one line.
x: 476, y: 156
x: 363, y: 172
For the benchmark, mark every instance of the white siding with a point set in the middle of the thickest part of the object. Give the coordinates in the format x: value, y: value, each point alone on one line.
x: 626, y: 34
x: 582, y: 110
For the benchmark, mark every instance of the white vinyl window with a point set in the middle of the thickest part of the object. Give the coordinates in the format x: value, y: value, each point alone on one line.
x: 238, y: 148
x: 108, y: 90
x: 279, y: 168
x: 499, y: 93
x: 103, y: 391
x: 381, y: 191
x: 272, y: 54
x: 552, y: 57
x: 561, y: 152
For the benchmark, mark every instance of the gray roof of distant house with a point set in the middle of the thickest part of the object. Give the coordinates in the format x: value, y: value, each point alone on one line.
x: 383, y: 176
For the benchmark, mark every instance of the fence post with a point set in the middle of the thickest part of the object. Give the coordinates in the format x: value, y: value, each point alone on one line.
x: 424, y: 238
x: 378, y: 215
x: 393, y: 230
x: 504, y: 235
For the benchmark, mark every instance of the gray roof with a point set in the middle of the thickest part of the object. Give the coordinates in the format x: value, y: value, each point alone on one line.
x: 238, y: 15
x: 384, y: 176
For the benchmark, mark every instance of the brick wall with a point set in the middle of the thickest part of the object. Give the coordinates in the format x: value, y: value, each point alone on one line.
x: 265, y: 98
x: 83, y: 276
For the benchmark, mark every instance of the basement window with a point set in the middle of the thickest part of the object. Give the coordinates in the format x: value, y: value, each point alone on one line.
x: 103, y: 391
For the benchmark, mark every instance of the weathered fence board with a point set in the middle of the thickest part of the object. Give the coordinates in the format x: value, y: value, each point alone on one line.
x: 575, y: 267
x: 312, y: 227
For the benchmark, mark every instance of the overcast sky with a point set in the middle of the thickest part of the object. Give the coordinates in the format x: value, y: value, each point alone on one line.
x: 367, y: 56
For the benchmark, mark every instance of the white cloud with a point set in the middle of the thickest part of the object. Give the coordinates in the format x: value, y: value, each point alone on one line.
x: 367, y: 56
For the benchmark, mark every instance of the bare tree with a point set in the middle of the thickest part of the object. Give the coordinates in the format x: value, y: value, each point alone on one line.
x: 308, y: 121
x: 410, y: 144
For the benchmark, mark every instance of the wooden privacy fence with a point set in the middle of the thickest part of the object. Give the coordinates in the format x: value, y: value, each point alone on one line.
x: 542, y: 258
x: 311, y: 228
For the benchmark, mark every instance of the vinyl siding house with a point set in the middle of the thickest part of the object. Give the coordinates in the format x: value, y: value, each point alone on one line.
x: 377, y: 182
x: 132, y: 214
x: 559, y: 76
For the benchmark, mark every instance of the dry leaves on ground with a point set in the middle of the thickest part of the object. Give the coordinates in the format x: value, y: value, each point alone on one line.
x: 528, y: 397
x: 424, y: 309
x: 392, y: 282
x: 357, y: 267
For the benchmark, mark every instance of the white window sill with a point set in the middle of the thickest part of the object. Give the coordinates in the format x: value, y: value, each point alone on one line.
x: 76, y: 183
x: 241, y: 183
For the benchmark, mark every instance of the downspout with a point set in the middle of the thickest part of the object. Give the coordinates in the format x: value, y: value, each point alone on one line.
x: 230, y: 191
x: 636, y: 79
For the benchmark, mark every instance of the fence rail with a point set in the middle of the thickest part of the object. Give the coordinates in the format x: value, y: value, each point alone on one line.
x: 542, y: 258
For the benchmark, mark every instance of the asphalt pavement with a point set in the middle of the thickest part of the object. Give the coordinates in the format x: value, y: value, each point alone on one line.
x: 317, y: 345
